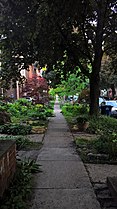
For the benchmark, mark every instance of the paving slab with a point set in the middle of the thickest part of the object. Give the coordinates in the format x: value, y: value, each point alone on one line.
x: 100, y: 172
x: 57, y: 133
x: 57, y: 138
x: 62, y: 175
x: 54, y: 143
x: 57, y: 125
x: 58, y: 129
x: 65, y: 199
x: 58, y: 154
x: 58, y: 120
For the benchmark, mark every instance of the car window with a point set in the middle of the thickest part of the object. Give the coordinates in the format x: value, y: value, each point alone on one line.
x: 114, y: 104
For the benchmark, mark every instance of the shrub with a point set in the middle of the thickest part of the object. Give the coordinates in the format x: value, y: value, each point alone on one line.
x: 74, y: 110
x: 82, y: 118
x: 107, y: 144
x: 15, y: 129
x: 102, y: 124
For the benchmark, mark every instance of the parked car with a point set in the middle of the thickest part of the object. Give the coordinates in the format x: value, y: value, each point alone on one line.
x: 109, y: 108
x: 101, y: 99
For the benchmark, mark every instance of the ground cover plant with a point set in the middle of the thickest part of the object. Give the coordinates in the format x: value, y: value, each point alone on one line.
x: 102, y: 148
x: 15, y: 129
x: 73, y: 110
x: 17, y: 195
x: 97, y: 125
x: 24, y: 109
x: 21, y: 112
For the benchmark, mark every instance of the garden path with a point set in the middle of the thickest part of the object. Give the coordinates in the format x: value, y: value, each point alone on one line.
x: 63, y: 182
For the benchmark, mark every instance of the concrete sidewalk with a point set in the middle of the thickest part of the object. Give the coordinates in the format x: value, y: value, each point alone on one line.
x: 64, y: 182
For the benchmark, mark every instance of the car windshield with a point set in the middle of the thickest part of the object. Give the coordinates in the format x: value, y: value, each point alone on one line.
x: 112, y: 103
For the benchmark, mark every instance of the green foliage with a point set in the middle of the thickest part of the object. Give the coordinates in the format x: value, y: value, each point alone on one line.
x: 22, y: 110
x: 74, y: 110
x: 19, y: 107
x: 106, y: 144
x: 40, y: 112
x: 17, y: 129
x: 105, y: 127
x: 20, y: 188
x: 52, y: 92
x: 82, y: 118
x: 72, y: 85
x: 102, y: 124
x: 101, y: 149
x: 75, y: 37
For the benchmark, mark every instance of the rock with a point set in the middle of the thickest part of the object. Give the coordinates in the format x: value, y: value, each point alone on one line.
x: 92, y: 156
x: 100, y: 186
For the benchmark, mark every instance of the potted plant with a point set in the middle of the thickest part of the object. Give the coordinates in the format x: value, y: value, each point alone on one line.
x: 82, y: 122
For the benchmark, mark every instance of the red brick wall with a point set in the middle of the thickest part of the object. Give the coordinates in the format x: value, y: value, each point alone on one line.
x: 7, y: 164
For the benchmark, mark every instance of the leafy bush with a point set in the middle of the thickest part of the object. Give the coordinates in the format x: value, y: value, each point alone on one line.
x: 74, y: 110
x: 41, y: 112
x: 102, y: 124
x: 107, y: 144
x: 82, y: 118
x: 101, y: 149
x: 19, y: 108
x: 37, y: 115
x: 22, y: 110
x: 15, y: 129
x: 49, y: 112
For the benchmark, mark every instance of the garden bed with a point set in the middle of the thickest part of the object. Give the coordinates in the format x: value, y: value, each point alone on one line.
x: 91, y: 150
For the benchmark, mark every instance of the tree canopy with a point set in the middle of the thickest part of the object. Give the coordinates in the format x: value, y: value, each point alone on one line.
x: 44, y: 30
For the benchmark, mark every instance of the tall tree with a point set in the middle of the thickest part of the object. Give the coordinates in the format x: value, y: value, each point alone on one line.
x: 87, y: 30
x: 84, y: 29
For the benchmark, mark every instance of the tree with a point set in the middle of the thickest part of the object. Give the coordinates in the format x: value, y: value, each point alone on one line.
x: 17, y: 38
x: 87, y: 30
x: 74, y: 85
x: 84, y: 29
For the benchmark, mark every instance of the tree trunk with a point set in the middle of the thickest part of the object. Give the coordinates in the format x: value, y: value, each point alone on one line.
x: 113, y: 90
x: 94, y: 94
x: 96, y: 65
